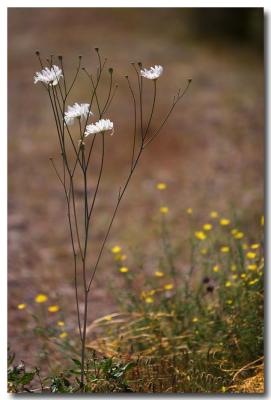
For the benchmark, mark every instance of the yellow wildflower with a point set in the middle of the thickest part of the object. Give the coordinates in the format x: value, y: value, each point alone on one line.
x: 195, y: 319
x: 229, y: 301
x: 251, y: 255
x: 223, y: 389
x: 234, y: 231
x: 116, y: 249
x: 53, y: 309
x: 239, y: 235
x: 41, y: 298
x: 63, y: 335
x: 207, y: 227
x: 60, y: 323
x: 200, y: 235
x: 252, y: 267
x: 233, y: 268
x: 213, y: 214
x: 253, y: 282
x: 262, y: 220
x: 225, y: 249
x: 243, y: 276
x: 235, y: 276
x: 216, y: 268
x: 164, y: 210
x: 168, y: 286
x: 159, y: 274
x: 228, y: 284
x: 224, y: 221
x: 189, y: 210
x: 255, y: 246
x: 107, y: 317
x: 149, y: 300
x: 123, y: 270
x: 21, y: 306
x: 161, y: 186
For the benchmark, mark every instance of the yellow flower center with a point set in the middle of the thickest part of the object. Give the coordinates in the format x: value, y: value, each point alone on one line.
x: 116, y: 249
x: 251, y: 255
x: 21, y: 306
x: 200, y: 235
x: 224, y: 221
x: 123, y: 269
x: 252, y: 267
x: 53, y: 309
x: 213, y: 214
x: 239, y: 235
x: 161, y: 186
x: 149, y: 300
x: 41, y: 298
x: 168, y: 286
x: 207, y: 227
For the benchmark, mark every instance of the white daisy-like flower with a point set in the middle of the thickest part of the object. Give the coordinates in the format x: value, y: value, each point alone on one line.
x: 77, y: 111
x: 152, y: 73
x: 49, y: 76
x: 104, y: 125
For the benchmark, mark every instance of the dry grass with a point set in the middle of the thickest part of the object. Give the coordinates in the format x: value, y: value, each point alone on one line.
x: 252, y: 384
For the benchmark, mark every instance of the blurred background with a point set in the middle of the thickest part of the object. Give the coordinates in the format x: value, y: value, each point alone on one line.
x: 210, y: 154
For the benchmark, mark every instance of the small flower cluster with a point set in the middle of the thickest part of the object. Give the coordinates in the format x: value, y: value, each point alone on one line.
x: 51, y: 76
x: 82, y: 111
x: 42, y: 298
x: 148, y: 296
x: 119, y: 257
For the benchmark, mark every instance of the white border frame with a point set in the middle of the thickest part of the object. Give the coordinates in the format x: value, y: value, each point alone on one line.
x: 5, y: 4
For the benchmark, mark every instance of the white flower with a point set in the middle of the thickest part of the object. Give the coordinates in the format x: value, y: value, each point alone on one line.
x: 152, y: 73
x: 77, y: 111
x: 104, y: 125
x: 49, y: 76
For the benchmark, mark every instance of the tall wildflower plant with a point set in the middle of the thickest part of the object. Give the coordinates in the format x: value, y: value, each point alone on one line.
x: 76, y: 163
